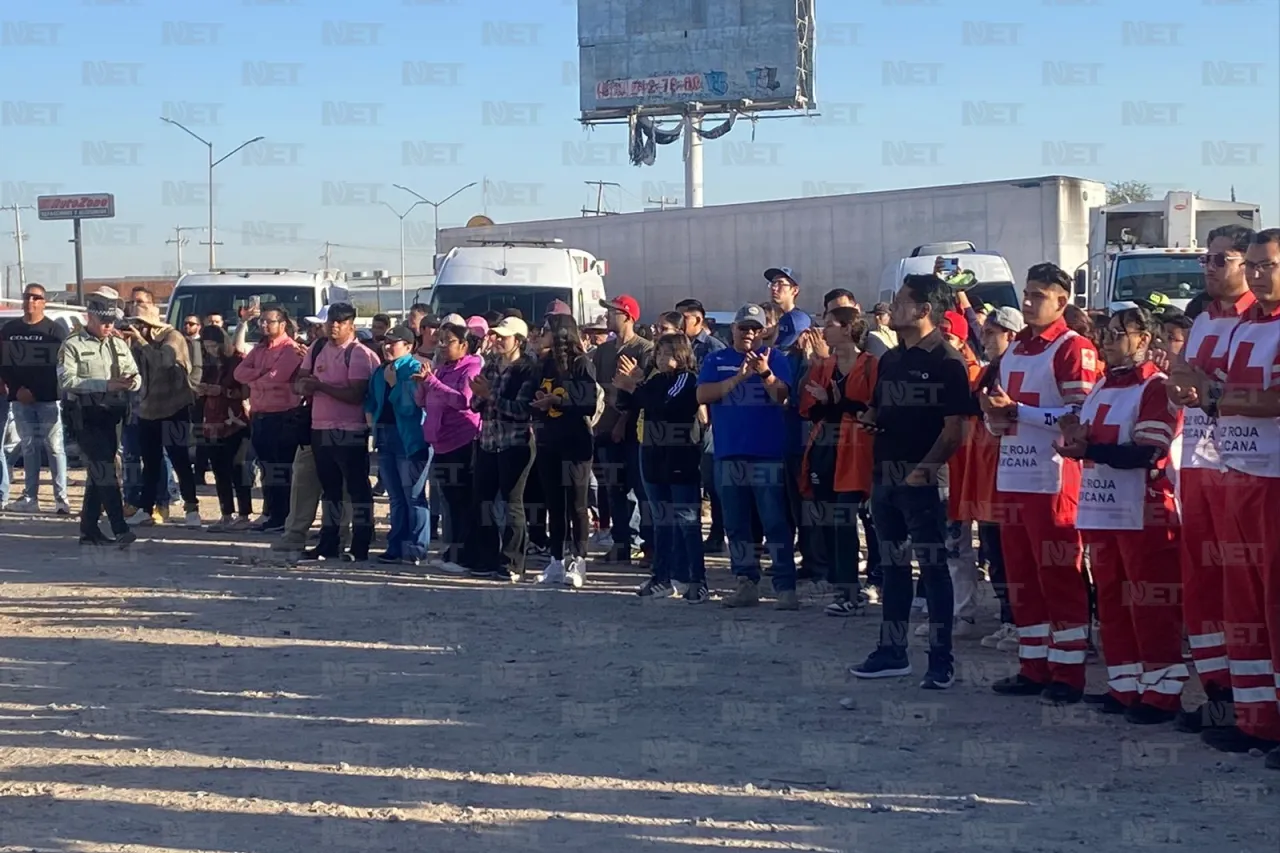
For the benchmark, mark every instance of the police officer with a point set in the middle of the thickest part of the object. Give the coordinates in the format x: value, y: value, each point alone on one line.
x: 96, y: 373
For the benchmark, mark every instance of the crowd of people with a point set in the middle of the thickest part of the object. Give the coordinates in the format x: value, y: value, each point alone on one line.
x: 1110, y: 470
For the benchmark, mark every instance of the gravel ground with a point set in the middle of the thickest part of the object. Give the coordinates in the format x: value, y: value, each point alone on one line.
x: 190, y: 695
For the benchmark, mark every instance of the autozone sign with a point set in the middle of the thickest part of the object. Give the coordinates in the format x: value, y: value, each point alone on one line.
x: 76, y: 206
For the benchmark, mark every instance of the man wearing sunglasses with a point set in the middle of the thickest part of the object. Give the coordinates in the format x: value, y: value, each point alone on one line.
x: 1200, y: 471
x: 30, y: 373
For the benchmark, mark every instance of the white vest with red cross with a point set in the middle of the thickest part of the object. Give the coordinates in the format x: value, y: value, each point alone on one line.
x: 1112, y: 498
x: 1208, y: 345
x: 1252, y: 445
x: 1028, y: 462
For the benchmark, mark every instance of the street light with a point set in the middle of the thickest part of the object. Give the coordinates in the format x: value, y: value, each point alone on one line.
x: 435, y: 243
x: 404, y: 311
x: 212, y: 163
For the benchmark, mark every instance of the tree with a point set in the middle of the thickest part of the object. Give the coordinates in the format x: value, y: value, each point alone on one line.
x: 1122, y: 192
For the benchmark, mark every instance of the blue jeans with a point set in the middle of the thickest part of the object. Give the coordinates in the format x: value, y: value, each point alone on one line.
x: 131, y: 452
x: 4, y: 451
x: 676, y: 510
x: 915, y: 515
x: 406, y: 484
x: 742, y: 484
x: 40, y: 426
x: 619, y: 473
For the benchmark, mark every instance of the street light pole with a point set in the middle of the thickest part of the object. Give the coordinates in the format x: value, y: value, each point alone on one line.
x: 404, y: 307
x: 435, y: 243
x: 212, y: 163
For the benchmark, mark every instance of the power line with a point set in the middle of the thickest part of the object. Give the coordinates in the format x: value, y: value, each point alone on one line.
x: 600, y: 211
x: 180, y: 241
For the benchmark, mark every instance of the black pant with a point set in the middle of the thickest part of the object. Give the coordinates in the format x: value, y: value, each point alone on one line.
x: 226, y: 459
x: 564, y: 486
x: 453, y: 475
x: 535, y: 509
x: 167, y: 435
x: 989, y: 536
x: 200, y: 464
x: 342, y: 458
x: 98, y: 443
x: 503, y: 475
x: 875, y: 574
x: 832, y: 519
x: 915, y: 514
x: 275, y: 442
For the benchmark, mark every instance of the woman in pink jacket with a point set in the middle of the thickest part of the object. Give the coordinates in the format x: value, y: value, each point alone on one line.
x: 451, y: 428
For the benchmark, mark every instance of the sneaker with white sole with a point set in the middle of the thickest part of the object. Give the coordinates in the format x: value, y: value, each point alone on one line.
x: 1009, y: 643
x: 192, y: 521
x: 25, y: 504
x: 449, y: 567
x: 62, y: 508
x: 680, y: 588
x: 992, y: 641
x: 964, y: 629
x: 222, y: 525
x: 553, y: 574
x: 241, y: 522
x: 577, y: 573
x: 141, y: 518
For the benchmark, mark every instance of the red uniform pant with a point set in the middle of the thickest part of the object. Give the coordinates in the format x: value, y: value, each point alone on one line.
x: 1204, y: 508
x: 1042, y: 557
x: 1140, y: 610
x: 1250, y: 552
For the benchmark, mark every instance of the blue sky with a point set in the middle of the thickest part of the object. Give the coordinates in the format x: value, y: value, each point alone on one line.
x: 86, y: 82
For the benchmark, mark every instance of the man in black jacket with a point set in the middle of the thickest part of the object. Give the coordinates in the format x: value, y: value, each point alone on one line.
x: 30, y: 374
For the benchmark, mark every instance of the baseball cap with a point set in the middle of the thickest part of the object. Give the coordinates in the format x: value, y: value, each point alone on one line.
x: 364, y: 335
x: 478, y: 326
x: 773, y: 272
x: 558, y: 306
x: 881, y: 308
x: 749, y: 314
x: 321, y: 316
x: 431, y: 321
x: 1009, y: 319
x: 957, y: 324
x: 511, y: 326
x: 626, y: 304
x: 790, y: 325
x: 403, y: 334
x: 453, y: 320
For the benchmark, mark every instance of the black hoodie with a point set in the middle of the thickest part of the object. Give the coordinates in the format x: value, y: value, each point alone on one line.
x: 30, y: 357
x: 566, y: 428
x: 671, y: 446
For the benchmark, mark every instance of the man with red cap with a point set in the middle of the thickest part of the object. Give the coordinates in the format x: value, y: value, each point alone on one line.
x: 616, y: 435
x: 1046, y: 373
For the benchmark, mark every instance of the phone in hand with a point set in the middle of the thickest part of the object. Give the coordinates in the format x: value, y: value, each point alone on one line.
x: 950, y: 266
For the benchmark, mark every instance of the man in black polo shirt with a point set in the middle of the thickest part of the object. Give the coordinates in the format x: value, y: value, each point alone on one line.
x: 917, y: 413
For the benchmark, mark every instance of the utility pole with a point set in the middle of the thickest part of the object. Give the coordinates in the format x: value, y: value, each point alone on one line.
x: 328, y: 254
x: 599, y: 185
x: 19, y: 236
x: 180, y: 241
x: 663, y: 202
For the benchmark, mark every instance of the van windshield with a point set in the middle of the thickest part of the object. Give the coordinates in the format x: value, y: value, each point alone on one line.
x: 1175, y: 276
x: 230, y: 299
x: 1000, y: 294
x: 470, y: 300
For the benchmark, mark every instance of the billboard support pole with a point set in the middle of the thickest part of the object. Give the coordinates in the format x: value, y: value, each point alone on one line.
x: 692, y: 161
x: 79, y: 261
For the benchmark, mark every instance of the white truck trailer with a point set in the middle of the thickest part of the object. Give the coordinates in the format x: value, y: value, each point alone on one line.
x: 1142, y: 248
x: 719, y: 254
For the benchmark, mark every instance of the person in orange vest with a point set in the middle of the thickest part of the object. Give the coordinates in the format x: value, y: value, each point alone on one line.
x: 1129, y: 520
x: 1047, y: 373
x: 836, y: 469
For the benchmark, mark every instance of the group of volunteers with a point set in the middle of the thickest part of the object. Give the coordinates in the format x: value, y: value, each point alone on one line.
x: 1114, y: 468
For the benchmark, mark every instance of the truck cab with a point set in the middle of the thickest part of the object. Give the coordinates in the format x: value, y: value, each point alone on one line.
x: 498, y: 274
x: 1139, y: 249
x: 229, y: 292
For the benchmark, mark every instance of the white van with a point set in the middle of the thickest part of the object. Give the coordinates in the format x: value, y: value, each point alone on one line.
x: 494, y: 275
x: 227, y: 291
x: 995, y: 282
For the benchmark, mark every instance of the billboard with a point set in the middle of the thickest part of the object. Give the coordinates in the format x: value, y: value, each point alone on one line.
x: 76, y: 206
x: 659, y: 56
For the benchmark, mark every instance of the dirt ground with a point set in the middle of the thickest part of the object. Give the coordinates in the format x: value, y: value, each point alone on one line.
x: 187, y: 695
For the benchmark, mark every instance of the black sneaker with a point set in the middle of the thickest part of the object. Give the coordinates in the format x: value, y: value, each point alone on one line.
x: 390, y: 559
x: 1057, y: 693
x: 313, y: 555
x: 883, y: 663
x: 1148, y: 715
x: 94, y: 539
x: 654, y: 589
x: 1233, y: 739
x: 713, y: 547
x: 124, y: 540
x: 938, y: 678
x: 697, y: 593
x: 1018, y: 685
x: 1273, y: 759
x: 1105, y: 703
x: 268, y: 527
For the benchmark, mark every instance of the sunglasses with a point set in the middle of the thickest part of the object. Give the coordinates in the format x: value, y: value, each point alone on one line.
x: 1218, y: 259
x: 1109, y: 334
x: 34, y: 297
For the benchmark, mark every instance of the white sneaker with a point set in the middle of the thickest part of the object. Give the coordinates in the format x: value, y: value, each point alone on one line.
x: 553, y: 574
x: 193, y: 521
x: 241, y: 522
x: 964, y: 629
x: 223, y: 524
x: 449, y: 568
x: 25, y: 504
x: 679, y: 588
x: 922, y: 630
x: 920, y: 605
x: 992, y: 641
x: 577, y: 575
x: 141, y: 518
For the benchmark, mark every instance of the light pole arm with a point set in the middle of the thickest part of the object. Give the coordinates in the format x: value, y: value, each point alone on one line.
x: 467, y: 187
x: 188, y: 131
x: 237, y: 148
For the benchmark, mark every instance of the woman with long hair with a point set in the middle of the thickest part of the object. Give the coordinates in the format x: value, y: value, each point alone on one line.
x: 451, y: 428
x: 565, y: 406
x: 225, y: 428
x: 836, y: 471
x: 1129, y: 520
x: 671, y: 464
